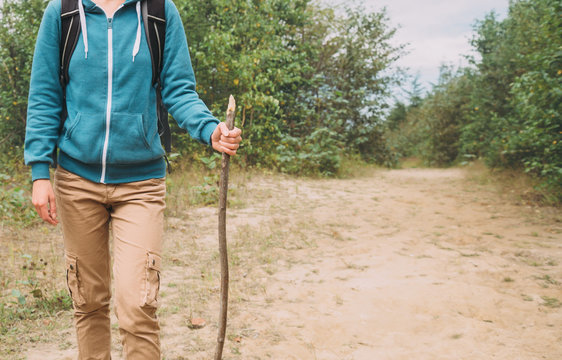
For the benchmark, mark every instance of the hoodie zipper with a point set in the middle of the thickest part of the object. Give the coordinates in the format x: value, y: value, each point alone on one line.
x: 109, y: 96
x: 109, y: 92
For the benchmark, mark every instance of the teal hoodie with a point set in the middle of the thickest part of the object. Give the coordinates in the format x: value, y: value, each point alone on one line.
x: 110, y: 134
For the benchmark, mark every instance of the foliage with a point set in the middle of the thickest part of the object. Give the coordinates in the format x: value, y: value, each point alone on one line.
x: 19, y: 308
x: 443, y: 112
x: 207, y: 193
x: 506, y: 108
x: 352, y: 98
x: 318, y: 153
x: 536, y: 95
x: 29, y: 299
x: 15, y: 204
x: 18, y: 30
x: 397, y: 115
x: 294, y: 68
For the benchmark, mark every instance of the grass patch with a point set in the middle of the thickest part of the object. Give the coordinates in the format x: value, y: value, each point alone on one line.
x: 195, y: 184
x: 32, y: 287
x: 354, y: 167
x: 519, y: 186
x: 16, y: 209
x: 551, y: 302
x: 355, y: 266
x: 410, y: 162
x: 18, y: 307
x: 547, y: 280
x: 36, y: 319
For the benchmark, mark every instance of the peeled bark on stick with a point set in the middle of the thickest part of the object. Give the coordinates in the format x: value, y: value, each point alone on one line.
x: 223, y: 189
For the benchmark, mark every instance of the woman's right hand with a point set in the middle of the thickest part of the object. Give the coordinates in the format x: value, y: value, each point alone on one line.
x: 43, y: 198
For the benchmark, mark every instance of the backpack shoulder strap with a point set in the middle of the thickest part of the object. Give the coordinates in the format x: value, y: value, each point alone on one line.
x: 154, y: 19
x: 70, y: 30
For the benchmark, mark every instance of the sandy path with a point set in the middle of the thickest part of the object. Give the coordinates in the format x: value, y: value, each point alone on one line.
x: 401, y: 264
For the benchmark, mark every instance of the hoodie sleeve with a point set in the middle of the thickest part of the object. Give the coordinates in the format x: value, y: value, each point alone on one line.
x: 178, y: 82
x: 45, y: 95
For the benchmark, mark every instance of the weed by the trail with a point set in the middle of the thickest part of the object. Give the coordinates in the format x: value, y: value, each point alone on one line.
x: 197, y: 184
x: 518, y: 185
x: 547, y: 280
x: 32, y: 291
x: 551, y: 302
x: 15, y: 185
x: 15, y: 204
x: 206, y: 193
x: 18, y: 307
x: 191, y: 184
x: 410, y: 162
x: 27, y: 297
x: 352, y: 167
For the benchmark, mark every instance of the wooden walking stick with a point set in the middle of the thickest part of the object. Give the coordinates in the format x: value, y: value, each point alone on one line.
x: 223, y: 188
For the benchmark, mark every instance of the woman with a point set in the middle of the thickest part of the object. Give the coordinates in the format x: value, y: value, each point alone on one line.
x: 111, y: 167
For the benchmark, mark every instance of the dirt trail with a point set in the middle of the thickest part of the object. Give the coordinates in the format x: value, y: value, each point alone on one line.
x: 401, y: 264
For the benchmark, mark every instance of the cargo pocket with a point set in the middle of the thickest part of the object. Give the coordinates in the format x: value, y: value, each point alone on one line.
x: 73, y: 281
x: 152, y: 281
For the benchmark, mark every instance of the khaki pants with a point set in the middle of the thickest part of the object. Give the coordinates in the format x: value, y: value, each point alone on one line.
x: 135, y: 211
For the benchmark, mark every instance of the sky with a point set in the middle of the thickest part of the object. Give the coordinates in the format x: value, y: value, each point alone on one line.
x: 436, y: 31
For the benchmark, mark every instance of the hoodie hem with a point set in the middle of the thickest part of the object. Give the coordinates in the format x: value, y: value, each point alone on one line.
x: 115, y: 174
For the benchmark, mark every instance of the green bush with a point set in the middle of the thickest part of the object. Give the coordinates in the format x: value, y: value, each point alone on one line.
x: 18, y: 30
x: 318, y: 153
x: 15, y: 190
x: 506, y: 109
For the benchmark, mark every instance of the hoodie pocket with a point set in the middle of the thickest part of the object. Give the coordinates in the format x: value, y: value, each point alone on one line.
x: 132, y: 139
x: 83, y: 137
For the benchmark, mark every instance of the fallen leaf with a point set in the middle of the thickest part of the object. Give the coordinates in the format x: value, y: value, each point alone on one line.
x: 196, y: 323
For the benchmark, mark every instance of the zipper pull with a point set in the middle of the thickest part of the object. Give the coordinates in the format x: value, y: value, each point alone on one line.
x: 109, y: 23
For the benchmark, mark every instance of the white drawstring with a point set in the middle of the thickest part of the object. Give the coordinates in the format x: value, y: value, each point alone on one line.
x: 137, y: 40
x: 83, y: 26
x: 136, y: 47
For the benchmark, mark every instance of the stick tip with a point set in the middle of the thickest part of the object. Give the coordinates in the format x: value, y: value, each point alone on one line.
x: 231, y: 104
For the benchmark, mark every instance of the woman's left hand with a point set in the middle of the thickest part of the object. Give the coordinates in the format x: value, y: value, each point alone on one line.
x: 224, y: 140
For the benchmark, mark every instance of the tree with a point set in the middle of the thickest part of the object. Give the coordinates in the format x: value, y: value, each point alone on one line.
x: 506, y: 108
x: 18, y: 30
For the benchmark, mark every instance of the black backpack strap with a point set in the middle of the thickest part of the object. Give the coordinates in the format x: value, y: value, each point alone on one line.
x: 154, y: 19
x: 70, y: 31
